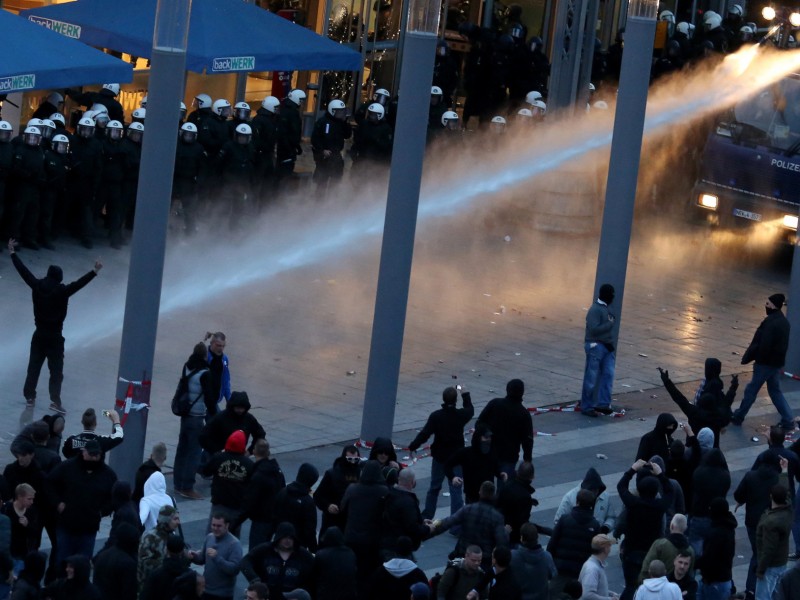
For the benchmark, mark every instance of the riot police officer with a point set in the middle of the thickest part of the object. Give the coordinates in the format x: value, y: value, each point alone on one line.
x: 115, y: 164
x: 241, y: 114
x: 437, y: 108
x: 237, y: 164
x: 212, y: 134
x: 203, y: 103
x: 380, y: 96
x: 372, y: 141
x: 83, y: 182
x: 265, y: 128
x: 107, y: 96
x: 54, y: 191
x: 290, y: 133
x: 327, y: 142
x: 445, y: 72
x: 26, y: 177
x: 6, y: 152
x: 132, y: 143
x: 191, y: 163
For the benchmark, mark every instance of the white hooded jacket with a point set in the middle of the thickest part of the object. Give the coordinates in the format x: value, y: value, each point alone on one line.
x: 658, y: 588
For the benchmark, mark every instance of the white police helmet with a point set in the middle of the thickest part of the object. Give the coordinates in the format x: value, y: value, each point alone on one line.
x: 222, y: 108
x: 296, y: 96
x: 135, y: 132
x: 241, y: 111
x: 189, y: 132
x: 58, y: 117
x: 48, y: 128
x: 270, y: 104
x: 60, y: 143
x: 115, y: 130
x: 381, y: 96
x: 337, y: 109
x: 86, y: 126
x: 112, y: 87
x: 530, y: 97
x: 140, y: 114
x: 450, y: 120
x: 202, y: 101
x: 5, y: 131
x: 32, y: 136
x: 376, y: 110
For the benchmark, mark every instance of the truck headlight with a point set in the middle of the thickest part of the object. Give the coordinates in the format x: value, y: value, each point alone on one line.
x: 790, y: 222
x: 708, y: 201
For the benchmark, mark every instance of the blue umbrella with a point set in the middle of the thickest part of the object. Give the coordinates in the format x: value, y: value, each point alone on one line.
x: 33, y: 59
x: 224, y: 36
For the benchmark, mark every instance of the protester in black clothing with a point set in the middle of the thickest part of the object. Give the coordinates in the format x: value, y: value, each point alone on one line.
x: 124, y: 511
x: 152, y: 465
x: 571, y: 542
x: 75, y: 443
x: 76, y: 584
x: 393, y: 579
x: 334, y: 571
x: 501, y: 581
x: 446, y: 425
x: 511, y: 426
x: 265, y: 482
x: 230, y: 471
x: 711, y: 480
x: 50, y: 300
x: 283, y: 564
x: 115, y: 566
x: 532, y: 565
x: 658, y: 440
x: 478, y: 463
x: 328, y: 496
x: 776, y: 439
x: 158, y: 584
x: 645, y: 518
x: 29, y: 582
x: 235, y: 417
x: 383, y: 451
x: 294, y: 504
x: 719, y: 547
x: 401, y: 516
x: 26, y: 470
x: 516, y: 500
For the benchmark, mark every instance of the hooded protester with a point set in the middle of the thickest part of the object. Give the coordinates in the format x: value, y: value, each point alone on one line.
x: 50, y: 300
x: 76, y: 585
x: 266, y: 481
x: 532, y: 565
x: 153, y: 545
x: 658, y: 440
x: 328, y: 497
x: 334, y: 568
x: 478, y: 463
x: 155, y: 496
x: 283, y: 565
x: 158, y: 584
x: 678, y: 505
x: 115, y: 566
x: 681, y: 468
x: 393, y: 579
x: 123, y: 511
x: 230, y: 473
x: 604, y: 510
x: 29, y: 582
x: 715, y: 563
x: 571, y: 542
x: 383, y: 451
x: 235, y: 417
x: 401, y: 516
x: 515, y: 500
x: 511, y: 425
x: 294, y: 504
x: 711, y: 480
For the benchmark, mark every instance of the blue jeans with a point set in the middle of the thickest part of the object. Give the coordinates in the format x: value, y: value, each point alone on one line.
x: 714, y: 591
x: 456, y: 495
x: 698, y: 530
x: 750, y: 586
x: 598, y: 376
x: 771, y: 376
x: 796, y: 523
x: 74, y: 543
x: 767, y: 584
x: 187, y: 455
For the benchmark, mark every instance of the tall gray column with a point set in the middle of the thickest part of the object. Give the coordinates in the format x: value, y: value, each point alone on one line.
x: 793, y: 312
x: 168, y: 64
x: 626, y: 148
x: 400, y: 223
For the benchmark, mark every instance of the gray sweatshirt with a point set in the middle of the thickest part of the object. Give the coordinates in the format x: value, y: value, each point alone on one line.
x: 222, y: 569
x: 593, y: 579
x: 598, y: 325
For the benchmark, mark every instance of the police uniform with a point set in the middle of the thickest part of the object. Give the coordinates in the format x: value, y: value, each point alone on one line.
x: 329, y: 135
x: 27, y: 175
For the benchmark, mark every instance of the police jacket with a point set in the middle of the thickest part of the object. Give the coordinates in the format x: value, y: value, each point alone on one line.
x: 265, y: 136
x: 237, y: 162
x: 6, y: 152
x: 115, y: 161
x: 50, y: 296
x: 373, y: 141
x: 190, y: 160
x: 329, y: 134
x: 56, y: 169
x: 87, y: 161
x: 133, y: 152
x: 27, y: 168
x: 290, y: 131
x: 212, y: 133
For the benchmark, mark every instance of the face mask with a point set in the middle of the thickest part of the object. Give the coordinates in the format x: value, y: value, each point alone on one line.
x: 770, y: 311
x: 485, y: 447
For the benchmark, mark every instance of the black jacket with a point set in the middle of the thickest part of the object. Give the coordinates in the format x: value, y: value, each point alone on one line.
x: 511, y: 426
x: 658, y: 441
x: 719, y: 547
x: 230, y: 472
x: 294, y: 504
x: 217, y: 431
x: 515, y: 501
x: 265, y: 563
x: 290, y: 130
x: 476, y: 465
x: 710, y: 411
x: 265, y: 136
x: 329, y: 134
x: 503, y: 586
x: 362, y: 506
x: 77, y: 588
x: 372, y: 141
x: 645, y: 516
x: 401, y: 516
x: 158, y: 584
x: 50, y: 296
x: 266, y: 480
x: 115, y: 567
x: 770, y: 342
x: 334, y: 571
x: 85, y: 489
x: 331, y: 490
x: 571, y: 542
x: 754, y: 489
x: 710, y: 480
x: 446, y: 425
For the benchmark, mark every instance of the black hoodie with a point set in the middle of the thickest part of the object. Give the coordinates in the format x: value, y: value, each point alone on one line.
x: 658, y: 440
x: 265, y: 482
x: 115, y: 567
x: 331, y: 490
x: 754, y: 489
x: 719, y: 545
x: 362, y: 506
x: 77, y: 588
x: 29, y: 582
x: 477, y: 466
x: 222, y: 425
x: 511, y: 425
x: 85, y: 489
x: 710, y: 480
x: 294, y: 504
x: 335, y: 568
x: 50, y: 296
x: 446, y: 425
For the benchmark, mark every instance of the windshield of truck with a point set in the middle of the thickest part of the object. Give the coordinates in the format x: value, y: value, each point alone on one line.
x: 772, y: 117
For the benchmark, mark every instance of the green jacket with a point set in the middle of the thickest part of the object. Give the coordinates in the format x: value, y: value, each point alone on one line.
x: 772, y: 538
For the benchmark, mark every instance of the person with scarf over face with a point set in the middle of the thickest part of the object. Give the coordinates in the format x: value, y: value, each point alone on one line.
x: 478, y: 463
x: 294, y: 504
x: 659, y: 439
x: 328, y: 497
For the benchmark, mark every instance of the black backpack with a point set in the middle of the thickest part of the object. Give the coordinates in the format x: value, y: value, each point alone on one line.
x: 182, y: 402
x: 437, y: 577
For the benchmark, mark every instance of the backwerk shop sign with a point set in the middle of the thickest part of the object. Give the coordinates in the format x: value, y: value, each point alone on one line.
x: 17, y: 83
x: 234, y: 63
x: 67, y: 29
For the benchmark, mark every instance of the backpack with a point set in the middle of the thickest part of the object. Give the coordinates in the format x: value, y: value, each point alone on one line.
x: 182, y: 402
x: 437, y: 577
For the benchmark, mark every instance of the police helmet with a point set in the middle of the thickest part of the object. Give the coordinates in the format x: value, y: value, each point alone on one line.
x: 535, y: 43
x: 143, y: 102
x: 86, y: 127
x: 5, y: 131
x: 337, y: 109
x: 667, y: 15
x: 222, y: 108
x: 241, y: 111
x: 32, y: 136
x: 48, y: 128
x: 101, y: 119
x: 525, y: 113
x: 140, y: 114
x: 243, y: 133
x: 499, y: 120
x: 683, y: 27
x: 35, y: 123
x: 531, y: 97
x: 498, y: 124
x: 296, y: 96
x: 115, y: 130
x: 60, y: 143
x: 112, y: 87
x: 135, y: 132
x: 381, y: 96
x: 600, y: 105
x: 376, y: 111
x: 436, y: 90
x: 55, y: 99
x: 746, y: 33
x: 735, y: 9
x: 450, y: 120
x: 202, y: 101
x: 711, y: 20
x: 183, y: 110
x: 188, y: 132
x: 59, y: 118
x: 592, y: 89
x: 538, y: 107
x: 270, y: 104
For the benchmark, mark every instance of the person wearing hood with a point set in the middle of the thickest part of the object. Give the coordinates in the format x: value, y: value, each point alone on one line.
x: 775, y: 441
x: 37, y: 433
x: 715, y: 563
x: 345, y: 471
x: 478, y: 463
x: 283, y: 565
x: 515, y: 500
x: 446, y: 425
x: 645, y: 520
x: 393, y: 579
x: 155, y: 496
x: 123, y: 511
x: 710, y: 410
x: 80, y: 489
x: 362, y: 507
x: 753, y: 492
x: 401, y: 516
x: 29, y: 583
x: 190, y: 585
x: 601, y: 356
x: 153, y: 545
x: 266, y: 481
x: 158, y: 584
x: 604, y: 509
x: 772, y: 540
x: 50, y: 301
x: 571, y: 542
x: 115, y: 566
x: 294, y: 504
x: 511, y: 425
x: 767, y: 351
x: 76, y: 584
x: 230, y: 473
x: 659, y: 439
x: 532, y: 565
x: 656, y: 586
x: 667, y: 548
x: 712, y: 383
x: 383, y: 451
x: 334, y: 571
x: 711, y: 480
x: 678, y: 505
x: 235, y: 417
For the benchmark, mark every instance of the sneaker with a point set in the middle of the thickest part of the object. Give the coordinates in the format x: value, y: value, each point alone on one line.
x: 794, y: 556
x: 590, y: 413
x: 190, y: 494
x: 58, y: 408
x: 605, y: 410
x: 29, y: 402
